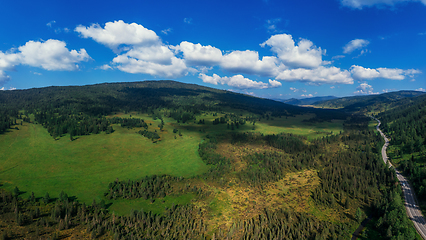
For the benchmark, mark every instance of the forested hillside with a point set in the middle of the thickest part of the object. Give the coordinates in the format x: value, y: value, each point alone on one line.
x: 406, y: 126
x: 307, y: 101
x: 79, y: 110
x: 370, y: 103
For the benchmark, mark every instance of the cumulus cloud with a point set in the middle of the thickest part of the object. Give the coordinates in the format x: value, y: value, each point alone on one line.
x: 156, y: 60
x: 117, y: 33
x: 52, y: 55
x: 248, y: 62
x: 144, y: 51
x: 307, y: 95
x: 9, y: 60
x: 320, y: 75
x: 361, y: 73
x: 364, y: 88
x: 198, y: 55
x: 354, y: 45
x: 421, y: 89
x: 304, y: 54
x: 359, y: 4
x: 238, y: 81
x: 294, y: 89
x: 175, y: 69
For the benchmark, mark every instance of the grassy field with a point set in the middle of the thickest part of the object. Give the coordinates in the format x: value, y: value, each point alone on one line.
x: 34, y: 162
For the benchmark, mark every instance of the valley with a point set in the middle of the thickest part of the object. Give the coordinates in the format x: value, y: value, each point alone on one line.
x: 195, y: 166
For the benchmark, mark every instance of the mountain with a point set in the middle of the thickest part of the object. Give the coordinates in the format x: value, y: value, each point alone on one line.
x: 307, y: 101
x: 370, y: 103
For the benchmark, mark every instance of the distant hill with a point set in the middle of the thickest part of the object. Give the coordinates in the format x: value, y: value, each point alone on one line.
x: 307, y: 101
x: 103, y: 99
x: 370, y: 103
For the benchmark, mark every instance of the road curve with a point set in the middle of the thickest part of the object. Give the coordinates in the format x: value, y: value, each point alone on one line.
x: 413, y: 210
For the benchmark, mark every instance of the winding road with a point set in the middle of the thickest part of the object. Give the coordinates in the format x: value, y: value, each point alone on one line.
x: 413, y: 210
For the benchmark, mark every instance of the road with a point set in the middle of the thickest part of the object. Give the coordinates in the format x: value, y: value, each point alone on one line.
x: 413, y: 210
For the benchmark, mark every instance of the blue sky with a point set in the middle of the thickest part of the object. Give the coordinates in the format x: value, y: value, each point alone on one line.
x: 267, y: 48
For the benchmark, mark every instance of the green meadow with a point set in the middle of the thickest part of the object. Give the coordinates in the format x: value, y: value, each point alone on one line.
x: 34, y: 162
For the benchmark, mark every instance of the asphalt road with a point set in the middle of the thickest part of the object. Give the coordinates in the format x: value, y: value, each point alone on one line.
x: 413, y: 210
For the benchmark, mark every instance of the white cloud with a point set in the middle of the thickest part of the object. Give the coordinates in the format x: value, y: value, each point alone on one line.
x: 320, y: 75
x: 421, y: 89
x: 307, y: 95
x: 157, y: 54
x: 354, y: 45
x: 49, y: 24
x: 359, y: 4
x: 363, y: 52
x: 338, y: 57
x: 238, y: 81
x: 9, y: 60
x: 388, y: 90
x: 364, y: 88
x: 305, y: 54
x: 294, y: 89
x: 118, y: 32
x: 3, y: 89
x: 187, y: 20
x: 361, y: 73
x: 198, y: 55
x: 413, y: 80
x: 175, y: 69
x: 248, y: 62
x: 51, y: 55
x: 3, y: 77
x: 274, y: 83
x: 332, y: 87
x: 166, y: 31
x: 105, y: 67
x: 271, y: 25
